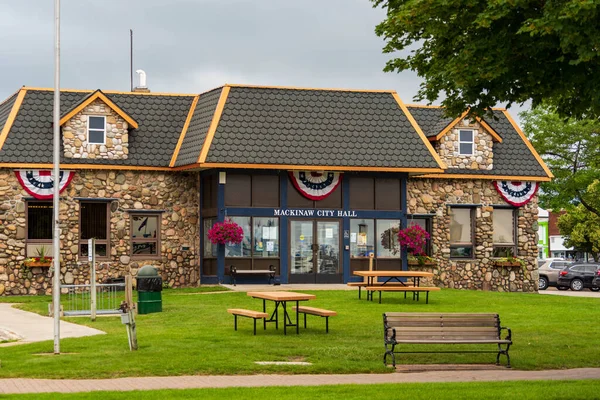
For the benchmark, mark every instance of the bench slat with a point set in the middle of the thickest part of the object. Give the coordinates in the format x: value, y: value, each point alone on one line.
x: 387, y: 288
x: 247, y: 313
x: 315, y: 311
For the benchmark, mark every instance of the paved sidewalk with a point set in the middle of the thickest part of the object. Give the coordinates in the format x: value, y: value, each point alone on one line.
x: 12, y: 386
x: 29, y: 327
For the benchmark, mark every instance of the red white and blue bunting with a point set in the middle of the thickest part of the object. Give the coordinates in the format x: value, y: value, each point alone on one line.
x: 315, y: 185
x: 39, y: 182
x: 516, y: 193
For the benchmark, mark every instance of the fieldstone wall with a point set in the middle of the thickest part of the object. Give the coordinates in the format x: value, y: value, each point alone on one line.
x: 176, y: 194
x: 425, y: 195
x: 482, y: 157
x: 75, y: 134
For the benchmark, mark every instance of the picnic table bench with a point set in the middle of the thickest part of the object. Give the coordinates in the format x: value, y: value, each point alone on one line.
x: 235, y: 272
x: 316, y: 311
x: 440, y: 329
x: 414, y: 289
x: 246, y: 313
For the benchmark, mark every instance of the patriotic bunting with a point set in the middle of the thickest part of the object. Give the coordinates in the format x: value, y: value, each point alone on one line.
x: 39, y: 183
x: 516, y: 193
x: 315, y: 185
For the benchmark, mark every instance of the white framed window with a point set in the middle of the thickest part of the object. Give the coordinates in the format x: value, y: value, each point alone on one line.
x: 96, y: 129
x: 466, y: 139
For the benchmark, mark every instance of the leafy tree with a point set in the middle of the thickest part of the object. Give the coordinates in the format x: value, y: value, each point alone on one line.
x: 581, y: 229
x: 572, y: 151
x: 478, y: 53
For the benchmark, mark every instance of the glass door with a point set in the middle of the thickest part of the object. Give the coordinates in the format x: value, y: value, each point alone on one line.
x: 315, y: 252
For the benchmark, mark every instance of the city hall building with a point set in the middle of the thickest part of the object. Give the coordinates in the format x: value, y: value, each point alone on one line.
x: 320, y: 180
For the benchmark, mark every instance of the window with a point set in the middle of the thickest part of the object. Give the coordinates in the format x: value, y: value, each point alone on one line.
x: 39, y: 226
x: 362, y: 237
x: 504, y: 233
x: 387, y: 238
x: 240, y: 249
x: 426, y: 225
x: 465, y: 142
x: 96, y: 129
x: 145, y: 235
x: 461, y: 232
x: 93, y: 223
x: 210, y: 249
x: 261, y: 238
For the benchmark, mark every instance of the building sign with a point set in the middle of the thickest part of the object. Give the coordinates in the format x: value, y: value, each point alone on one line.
x: 297, y: 212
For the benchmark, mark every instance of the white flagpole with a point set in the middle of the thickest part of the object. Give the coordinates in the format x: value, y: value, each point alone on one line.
x: 56, y: 177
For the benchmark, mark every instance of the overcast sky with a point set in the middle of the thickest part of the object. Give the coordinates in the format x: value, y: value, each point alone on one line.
x: 190, y: 46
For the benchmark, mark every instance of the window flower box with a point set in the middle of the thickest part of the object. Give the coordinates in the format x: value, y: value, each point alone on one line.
x: 38, y: 262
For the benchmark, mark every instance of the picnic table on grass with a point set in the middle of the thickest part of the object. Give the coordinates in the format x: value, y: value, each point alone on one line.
x: 393, y: 282
x: 281, y: 298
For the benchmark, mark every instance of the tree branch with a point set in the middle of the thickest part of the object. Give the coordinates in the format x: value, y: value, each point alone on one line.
x: 587, y: 205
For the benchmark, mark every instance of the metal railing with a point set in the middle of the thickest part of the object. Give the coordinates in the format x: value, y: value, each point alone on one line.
x: 108, y: 298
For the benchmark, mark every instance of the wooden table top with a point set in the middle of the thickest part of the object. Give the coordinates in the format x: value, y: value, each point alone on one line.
x: 399, y: 274
x: 282, y: 296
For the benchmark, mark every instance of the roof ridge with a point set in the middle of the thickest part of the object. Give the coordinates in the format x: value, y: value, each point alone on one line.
x: 239, y: 85
x: 111, y: 92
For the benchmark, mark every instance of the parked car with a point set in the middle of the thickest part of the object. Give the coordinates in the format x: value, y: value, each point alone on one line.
x: 579, y: 276
x: 548, y: 270
x: 596, y: 281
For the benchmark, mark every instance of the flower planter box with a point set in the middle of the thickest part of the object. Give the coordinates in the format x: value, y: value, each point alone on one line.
x: 38, y: 264
x: 426, y: 264
x: 506, y: 264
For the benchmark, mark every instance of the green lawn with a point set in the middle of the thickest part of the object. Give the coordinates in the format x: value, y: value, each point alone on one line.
x: 532, y: 390
x: 194, y: 335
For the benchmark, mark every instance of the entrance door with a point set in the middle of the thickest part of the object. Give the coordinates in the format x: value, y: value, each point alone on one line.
x: 315, y: 251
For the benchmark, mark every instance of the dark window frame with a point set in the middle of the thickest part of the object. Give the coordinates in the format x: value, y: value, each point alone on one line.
x: 515, y: 236
x: 428, y: 228
x: 473, y: 216
x: 90, y: 129
x: 106, y: 241
x: 29, y: 240
x: 471, y: 142
x: 157, y: 240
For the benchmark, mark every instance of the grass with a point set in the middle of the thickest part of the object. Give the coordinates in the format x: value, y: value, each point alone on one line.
x: 548, y: 390
x: 194, y: 335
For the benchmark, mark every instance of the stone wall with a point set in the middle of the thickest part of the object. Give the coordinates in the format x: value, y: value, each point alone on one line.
x: 425, y: 195
x: 75, y: 134
x: 482, y: 157
x: 176, y: 194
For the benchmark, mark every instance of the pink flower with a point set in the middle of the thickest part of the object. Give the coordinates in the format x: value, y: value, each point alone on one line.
x: 414, y: 238
x: 226, y: 232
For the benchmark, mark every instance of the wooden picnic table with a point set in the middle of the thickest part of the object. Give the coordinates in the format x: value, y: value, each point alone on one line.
x: 280, y: 298
x: 393, y: 276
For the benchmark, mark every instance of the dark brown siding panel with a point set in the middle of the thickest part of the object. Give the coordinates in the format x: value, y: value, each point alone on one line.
x: 209, y: 192
x: 334, y: 200
x: 362, y: 193
x: 238, y: 190
x: 265, y: 191
x: 387, y: 194
x: 295, y: 199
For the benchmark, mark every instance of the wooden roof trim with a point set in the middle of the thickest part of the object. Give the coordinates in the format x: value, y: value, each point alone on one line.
x: 113, y: 92
x: 312, y: 167
x: 308, y: 88
x: 529, y: 145
x: 98, y: 95
x: 85, y: 166
x: 11, y: 116
x: 448, y: 127
x: 213, y: 124
x: 417, y: 128
x: 434, y: 106
x: 488, y: 177
x: 184, y: 131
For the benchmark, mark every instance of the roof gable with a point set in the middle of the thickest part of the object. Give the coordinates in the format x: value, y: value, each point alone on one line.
x: 495, y: 136
x: 90, y: 99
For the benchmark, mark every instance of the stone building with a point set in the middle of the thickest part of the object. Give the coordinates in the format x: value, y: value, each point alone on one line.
x: 319, y: 180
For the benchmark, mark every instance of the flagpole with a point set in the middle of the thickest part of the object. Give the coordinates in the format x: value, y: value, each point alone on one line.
x: 56, y: 183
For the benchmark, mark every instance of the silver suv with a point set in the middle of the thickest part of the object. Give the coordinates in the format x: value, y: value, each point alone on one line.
x: 548, y: 270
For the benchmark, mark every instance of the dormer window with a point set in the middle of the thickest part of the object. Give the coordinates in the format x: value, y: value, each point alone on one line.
x: 96, y: 129
x: 465, y: 142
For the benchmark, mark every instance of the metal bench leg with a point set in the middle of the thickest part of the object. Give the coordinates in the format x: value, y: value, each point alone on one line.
x: 327, y: 324
x: 359, y: 292
x: 304, y: 320
x: 427, y: 298
x: 235, y: 322
x: 380, y: 297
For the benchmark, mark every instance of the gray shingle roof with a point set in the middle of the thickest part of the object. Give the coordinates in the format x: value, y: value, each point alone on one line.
x: 160, y: 117
x: 5, y: 108
x: 316, y: 127
x: 196, y: 133
x: 431, y: 120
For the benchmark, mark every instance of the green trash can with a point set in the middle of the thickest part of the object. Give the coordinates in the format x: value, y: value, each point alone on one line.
x: 149, y: 287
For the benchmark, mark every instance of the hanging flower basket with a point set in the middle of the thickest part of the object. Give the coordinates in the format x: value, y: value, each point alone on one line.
x: 414, y: 238
x: 226, y: 232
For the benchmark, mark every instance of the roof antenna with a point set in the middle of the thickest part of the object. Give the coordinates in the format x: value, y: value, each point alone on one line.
x: 131, y: 58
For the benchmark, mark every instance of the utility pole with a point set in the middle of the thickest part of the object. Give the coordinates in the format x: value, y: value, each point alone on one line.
x: 56, y: 183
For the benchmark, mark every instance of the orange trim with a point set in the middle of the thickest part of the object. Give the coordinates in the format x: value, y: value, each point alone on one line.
x: 448, y: 127
x: 99, y: 95
x: 308, y: 88
x: 184, y: 131
x: 529, y: 145
x: 314, y: 167
x: 84, y: 166
x: 213, y: 124
x: 452, y: 125
x: 434, y: 106
x: 112, y: 92
x: 416, y: 126
x: 11, y: 116
x: 490, y: 177
x: 490, y: 130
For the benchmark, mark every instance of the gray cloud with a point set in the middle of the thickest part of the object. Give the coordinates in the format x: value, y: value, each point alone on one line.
x: 190, y: 46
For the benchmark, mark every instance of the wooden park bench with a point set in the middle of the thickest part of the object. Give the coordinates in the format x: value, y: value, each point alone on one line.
x: 318, y: 312
x: 440, y: 329
x: 246, y: 313
x: 395, y: 288
x: 234, y: 271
